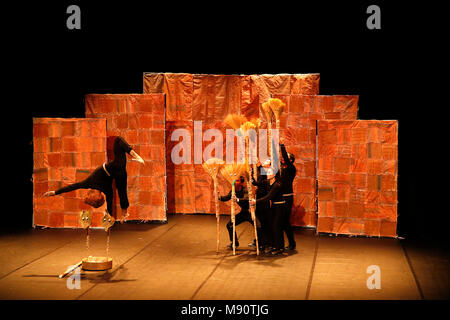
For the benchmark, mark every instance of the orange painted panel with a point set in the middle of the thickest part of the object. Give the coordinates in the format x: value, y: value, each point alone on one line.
x: 209, y: 98
x: 366, y: 203
x: 302, y: 112
x: 65, y: 151
x: 140, y: 120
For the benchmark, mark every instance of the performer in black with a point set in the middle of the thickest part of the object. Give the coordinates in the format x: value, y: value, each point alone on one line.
x: 277, y: 212
x: 288, y: 172
x: 102, y: 178
x: 262, y: 209
x: 244, y: 214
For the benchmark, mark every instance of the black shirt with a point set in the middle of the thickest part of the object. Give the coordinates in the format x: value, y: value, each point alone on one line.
x: 275, y: 194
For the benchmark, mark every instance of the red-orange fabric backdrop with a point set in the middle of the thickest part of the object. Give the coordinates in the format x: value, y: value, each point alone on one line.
x: 209, y: 98
x: 346, y: 168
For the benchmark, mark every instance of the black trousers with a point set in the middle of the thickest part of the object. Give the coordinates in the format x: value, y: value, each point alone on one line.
x: 242, y: 216
x: 262, y: 213
x: 287, y: 228
x: 276, y: 222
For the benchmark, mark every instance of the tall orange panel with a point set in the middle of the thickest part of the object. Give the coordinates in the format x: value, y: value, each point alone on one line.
x: 298, y: 129
x: 209, y: 98
x: 65, y: 151
x: 140, y: 120
x: 357, y: 177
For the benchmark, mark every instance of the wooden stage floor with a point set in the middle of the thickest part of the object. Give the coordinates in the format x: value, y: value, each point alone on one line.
x: 178, y: 261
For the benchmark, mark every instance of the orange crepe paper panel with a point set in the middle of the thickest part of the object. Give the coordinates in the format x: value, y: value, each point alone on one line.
x: 153, y: 83
x: 140, y: 120
x: 304, y: 84
x: 191, y: 96
x: 204, y: 193
x: 66, y: 150
x: 178, y: 88
x: 363, y: 187
x: 249, y: 98
x: 181, y: 187
x: 179, y: 153
x: 277, y: 83
x: 215, y: 96
x: 299, y: 134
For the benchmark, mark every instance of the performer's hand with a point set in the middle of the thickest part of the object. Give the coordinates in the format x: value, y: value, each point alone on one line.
x: 49, y: 193
x: 253, y: 201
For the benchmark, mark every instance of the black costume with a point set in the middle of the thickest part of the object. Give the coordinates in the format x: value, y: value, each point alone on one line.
x: 243, y: 215
x: 102, y: 177
x: 262, y: 209
x: 277, y: 213
x: 288, y: 172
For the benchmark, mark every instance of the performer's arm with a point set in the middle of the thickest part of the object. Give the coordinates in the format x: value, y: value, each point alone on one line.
x: 260, y: 182
x: 284, y: 154
x: 244, y: 198
x: 226, y: 198
x: 273, y: 191
x: 287, y: 161
x: 126, y: 147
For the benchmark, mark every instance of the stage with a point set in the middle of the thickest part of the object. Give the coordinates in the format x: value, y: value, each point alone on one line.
x: 178, y: 261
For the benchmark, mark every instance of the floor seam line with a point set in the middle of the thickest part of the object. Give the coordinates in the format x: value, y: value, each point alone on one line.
x: 313, y: 266
x: 34, y: 260
x: 212, y: 272
x: 419, y: 288
x: 132, y: 257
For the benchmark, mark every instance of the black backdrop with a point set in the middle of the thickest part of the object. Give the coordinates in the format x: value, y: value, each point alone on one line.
x: 390, y: 69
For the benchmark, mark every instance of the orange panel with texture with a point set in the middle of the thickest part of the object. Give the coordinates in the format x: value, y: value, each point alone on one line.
x: 209, y: 98
x: 302, y: 112
x: 66, y: 150
x: 140, y: 120
x: 369, y: 197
